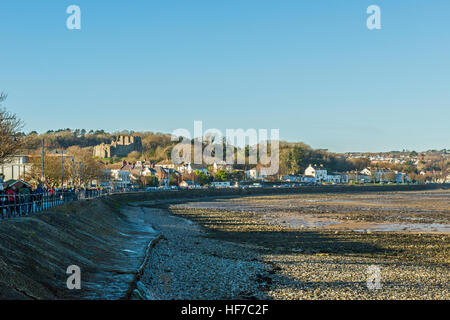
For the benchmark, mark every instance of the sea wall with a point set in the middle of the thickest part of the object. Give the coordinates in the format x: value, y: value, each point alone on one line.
x: 109, y: 245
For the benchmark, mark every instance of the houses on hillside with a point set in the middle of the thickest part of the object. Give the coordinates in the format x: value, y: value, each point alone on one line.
x: 318, y: 174
x: 125, y: 174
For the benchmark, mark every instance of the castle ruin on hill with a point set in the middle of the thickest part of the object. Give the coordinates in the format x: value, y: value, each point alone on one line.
x: 121, y: 146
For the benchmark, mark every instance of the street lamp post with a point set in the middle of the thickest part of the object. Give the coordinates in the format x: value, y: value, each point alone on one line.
x: 79, y: 173
x: 85, y: 175
x: 62, y: 168
x: 73, y: 171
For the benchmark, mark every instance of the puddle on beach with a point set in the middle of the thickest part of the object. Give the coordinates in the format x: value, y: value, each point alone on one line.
x: 296, y: 222
x: 312, y: 223
x: 412, y: 227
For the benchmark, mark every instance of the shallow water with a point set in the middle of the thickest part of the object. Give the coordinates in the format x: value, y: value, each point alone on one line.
x: 299, y: 222
x: 415, y: 227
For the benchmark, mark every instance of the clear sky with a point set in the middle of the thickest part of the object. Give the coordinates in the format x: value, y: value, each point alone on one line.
x: 309, y: 68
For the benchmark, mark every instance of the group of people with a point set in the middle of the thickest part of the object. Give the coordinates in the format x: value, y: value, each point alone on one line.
x: 20, y: 199
x: 23, y: 199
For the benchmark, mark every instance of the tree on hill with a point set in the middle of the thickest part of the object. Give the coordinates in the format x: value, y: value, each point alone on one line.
x: 84, y: 168
x: 11, y: 140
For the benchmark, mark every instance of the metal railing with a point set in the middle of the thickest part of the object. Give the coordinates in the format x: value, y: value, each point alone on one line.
x: 18, y: 205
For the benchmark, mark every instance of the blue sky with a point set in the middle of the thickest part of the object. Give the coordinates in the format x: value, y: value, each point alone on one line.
x: 309, y: 68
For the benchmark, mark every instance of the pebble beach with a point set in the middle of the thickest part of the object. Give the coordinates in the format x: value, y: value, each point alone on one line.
x: 229, y: 249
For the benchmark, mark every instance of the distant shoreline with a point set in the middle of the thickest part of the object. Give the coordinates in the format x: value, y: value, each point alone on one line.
x: 163, y: 197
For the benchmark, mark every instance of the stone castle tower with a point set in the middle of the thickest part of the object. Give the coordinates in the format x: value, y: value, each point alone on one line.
x: 121, y: 146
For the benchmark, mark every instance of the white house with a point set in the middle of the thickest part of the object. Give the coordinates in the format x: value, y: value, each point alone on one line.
x: 222, y: 165
x: 15, y: 167
x: 255, y: 174
x: 191, y: 167
x: 147, y: 171
x: 251, y: 174
x: 318, y: 172
x: 121, y: 178
x: 189, y: 184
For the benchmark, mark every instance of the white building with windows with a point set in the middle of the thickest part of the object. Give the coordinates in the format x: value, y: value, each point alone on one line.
x: 222, y: 165
x: 318, y: 172
x: 187, y: 184
x: 121, y: 178
x: 14, y: 167
x: 191, y: 167
x: 256, y: 173
x: 221, y: 184
x: 252, y: 174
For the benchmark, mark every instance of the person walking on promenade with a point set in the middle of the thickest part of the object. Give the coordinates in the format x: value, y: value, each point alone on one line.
x: 38, y: 196
x: 52, y: 195
x: 3, y: 202
x: 11, y: 203
x: 25, y: 199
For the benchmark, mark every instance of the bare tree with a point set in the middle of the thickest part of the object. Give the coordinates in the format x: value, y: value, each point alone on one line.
x: 10, y: 126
